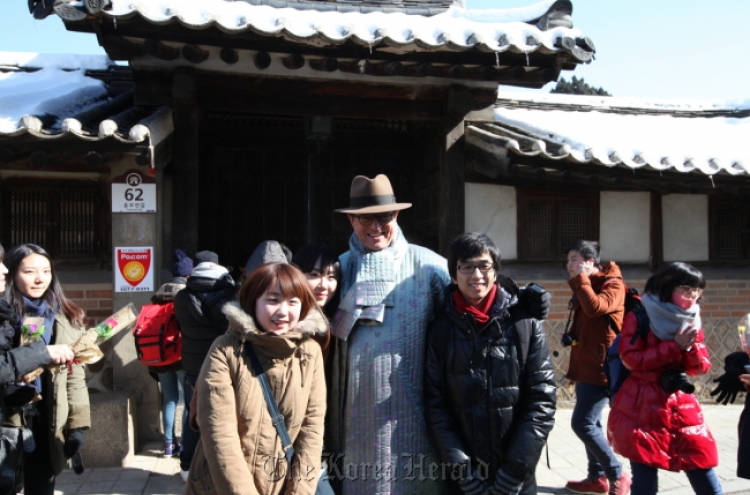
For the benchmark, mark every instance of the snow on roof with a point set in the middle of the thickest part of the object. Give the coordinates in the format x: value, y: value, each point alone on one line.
x: 50, y: 96
x: 684, y: 135
x: 455, y: 29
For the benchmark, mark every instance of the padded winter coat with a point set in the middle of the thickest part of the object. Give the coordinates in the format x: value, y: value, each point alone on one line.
x: 198, y: 309
x: 649, y: 425
x: 481, y: 402
x: 599, y: 307
x: 240, y: 451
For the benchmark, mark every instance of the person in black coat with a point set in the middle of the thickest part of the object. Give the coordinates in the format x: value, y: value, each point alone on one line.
x: 198, y: 308
x: 736, y: 379
x: 490, y: 393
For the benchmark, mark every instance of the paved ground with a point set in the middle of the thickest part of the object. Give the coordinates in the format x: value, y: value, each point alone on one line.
x: 149, y: 474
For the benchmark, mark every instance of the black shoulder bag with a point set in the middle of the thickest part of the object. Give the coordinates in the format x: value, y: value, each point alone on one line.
x: 324, y: 485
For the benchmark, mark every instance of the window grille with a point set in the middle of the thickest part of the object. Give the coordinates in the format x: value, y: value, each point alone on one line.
x: 549, y: 222
x: 65, y: 220
x: 730, y: 229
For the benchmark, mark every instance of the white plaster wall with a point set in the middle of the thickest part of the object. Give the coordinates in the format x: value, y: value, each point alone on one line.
x: 685, y: 227
x: 624, y: 226
x: 492, y: 209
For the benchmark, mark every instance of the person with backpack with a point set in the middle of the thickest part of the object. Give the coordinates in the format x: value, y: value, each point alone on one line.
x: 490, y: 390
x: 597, y: 307
x: 656, y: 421
x: 171, y: 378
x: 198, y: 308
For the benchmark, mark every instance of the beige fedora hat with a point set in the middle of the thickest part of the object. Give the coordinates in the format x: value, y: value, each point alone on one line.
x: 372, y: 196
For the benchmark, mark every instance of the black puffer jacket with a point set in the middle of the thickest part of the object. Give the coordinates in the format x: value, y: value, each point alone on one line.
x: 198, y: 309
x: 479, y: 403
x: 16, y: 362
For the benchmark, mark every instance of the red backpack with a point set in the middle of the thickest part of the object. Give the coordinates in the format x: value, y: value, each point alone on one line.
x: 158, y: 339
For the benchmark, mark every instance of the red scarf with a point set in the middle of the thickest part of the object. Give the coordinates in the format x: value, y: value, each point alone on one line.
x: 482, y: 313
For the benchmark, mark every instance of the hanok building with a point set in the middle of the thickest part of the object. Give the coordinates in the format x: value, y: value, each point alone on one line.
x: 252, y: 118
x: 654, y: 181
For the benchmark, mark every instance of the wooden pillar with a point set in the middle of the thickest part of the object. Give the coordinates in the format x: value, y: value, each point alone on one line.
x: 656, y: 260
x: 451, y: 188
x: 187, y: 117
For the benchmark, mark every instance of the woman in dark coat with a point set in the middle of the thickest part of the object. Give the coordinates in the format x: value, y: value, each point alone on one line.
x: 656, y: 421
x: 63, y: 414
x: 15, y: 362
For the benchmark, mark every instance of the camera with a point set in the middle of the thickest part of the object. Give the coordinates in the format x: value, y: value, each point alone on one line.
x: 674, y: 380
x: 567, y: 340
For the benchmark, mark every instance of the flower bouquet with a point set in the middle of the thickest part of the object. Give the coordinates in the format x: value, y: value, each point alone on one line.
x: 86, y: 348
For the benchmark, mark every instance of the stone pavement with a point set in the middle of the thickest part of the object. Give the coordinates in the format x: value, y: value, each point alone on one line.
x: 149, y: 474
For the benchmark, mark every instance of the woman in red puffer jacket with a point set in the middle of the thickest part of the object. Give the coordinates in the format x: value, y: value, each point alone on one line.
x: 656, y: 421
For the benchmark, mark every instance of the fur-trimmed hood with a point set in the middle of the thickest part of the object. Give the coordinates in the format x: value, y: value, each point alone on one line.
x: 243, y: 325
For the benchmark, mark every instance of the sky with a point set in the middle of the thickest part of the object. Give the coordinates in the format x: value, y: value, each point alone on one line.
x: 645, y: 48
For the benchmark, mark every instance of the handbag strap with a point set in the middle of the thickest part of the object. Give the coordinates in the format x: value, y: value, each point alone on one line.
x: 273, y: 408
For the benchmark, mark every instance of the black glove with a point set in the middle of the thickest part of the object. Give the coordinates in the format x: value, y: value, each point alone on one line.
x: 18, y: 395
x: 535, y: 299
x: 74, y: 441
x: 729, y: 383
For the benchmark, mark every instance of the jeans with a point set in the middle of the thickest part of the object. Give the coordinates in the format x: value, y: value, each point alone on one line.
x: 587, y: 424
x: 190, y: 437
x: 171, y: 393
x: 646, y: 480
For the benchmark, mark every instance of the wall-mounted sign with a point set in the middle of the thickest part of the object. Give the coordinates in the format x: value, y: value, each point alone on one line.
x: 133, y: 192
x: 134, y: 269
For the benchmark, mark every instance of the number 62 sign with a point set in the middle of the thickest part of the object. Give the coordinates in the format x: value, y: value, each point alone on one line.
x: 133, y: 192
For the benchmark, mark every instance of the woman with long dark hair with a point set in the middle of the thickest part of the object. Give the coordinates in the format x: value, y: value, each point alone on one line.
x: 656, y: 421
x: 62, y: 416
x: 14, y: 393
x: 240, y: 450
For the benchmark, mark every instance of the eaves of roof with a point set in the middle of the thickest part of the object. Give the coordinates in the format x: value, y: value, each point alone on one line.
x: 681, y: 136
x: 47, y: 110
x: 332, y: 24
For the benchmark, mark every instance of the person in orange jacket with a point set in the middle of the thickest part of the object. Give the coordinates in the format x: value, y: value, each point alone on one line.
x: 598, y: 306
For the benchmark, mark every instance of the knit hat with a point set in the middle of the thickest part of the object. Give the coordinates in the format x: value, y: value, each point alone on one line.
x: 266, y: 252
x: 183, y: 265
x: 209, y: 270
x: 209, y: 256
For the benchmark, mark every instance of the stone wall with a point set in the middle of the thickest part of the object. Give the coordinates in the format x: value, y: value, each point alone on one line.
x: 724, y: 303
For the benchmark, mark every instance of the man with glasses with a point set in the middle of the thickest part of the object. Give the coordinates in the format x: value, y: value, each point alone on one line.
x: 390, y: 291
x: 489, y: 383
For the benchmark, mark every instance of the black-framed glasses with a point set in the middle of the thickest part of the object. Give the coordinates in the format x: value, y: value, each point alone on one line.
x: 689, y: 291
x: 382, y: 218
x: 468, y: 269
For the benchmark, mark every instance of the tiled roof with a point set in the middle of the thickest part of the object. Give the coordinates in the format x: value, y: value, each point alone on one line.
x: 684, y: 136
x: 524, y: 30
x: 59, y: 97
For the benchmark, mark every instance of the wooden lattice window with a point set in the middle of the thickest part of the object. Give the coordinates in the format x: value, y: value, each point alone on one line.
x: 730, y: 229
x: 66, y: 220
x: 550, y: 222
